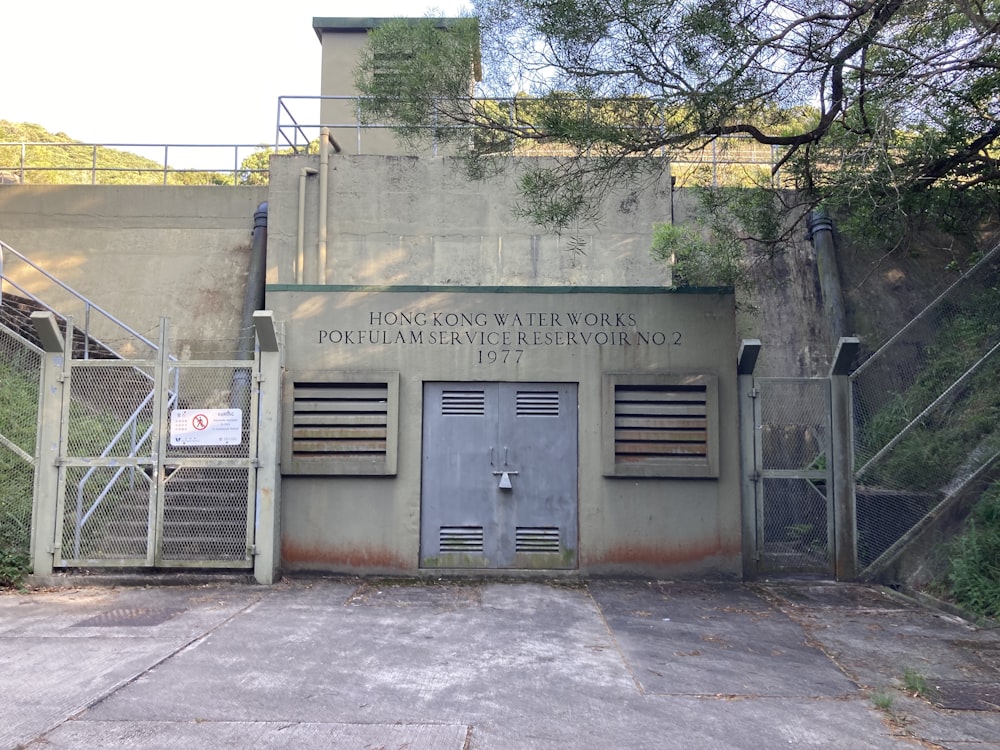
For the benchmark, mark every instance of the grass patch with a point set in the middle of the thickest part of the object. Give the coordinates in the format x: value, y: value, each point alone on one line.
x: 915, y: 683
x: 882, y: 701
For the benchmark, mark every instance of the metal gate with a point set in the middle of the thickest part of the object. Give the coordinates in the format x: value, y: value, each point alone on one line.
x: 499, y: 486
x: 792, y: 476
x: 157, y: 463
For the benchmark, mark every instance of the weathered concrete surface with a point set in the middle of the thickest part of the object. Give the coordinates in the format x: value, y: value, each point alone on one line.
x: 662, y: 525
x: 139, y: 252
x: 342, y: 663
x: 396, y: 220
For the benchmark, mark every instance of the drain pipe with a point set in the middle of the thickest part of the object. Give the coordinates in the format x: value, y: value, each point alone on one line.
x: 820, y: 233
x: 253, y: 300
x: 324, y: 191
x: 300, y: 237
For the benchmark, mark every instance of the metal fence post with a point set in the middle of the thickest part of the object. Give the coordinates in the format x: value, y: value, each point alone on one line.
x: 267, y: 533
x: 747, y: 360
x: 44, y: 545
x: 845, y: 551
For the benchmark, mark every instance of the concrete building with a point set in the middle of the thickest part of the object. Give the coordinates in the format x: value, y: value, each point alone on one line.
x: 462, y: 392
x: 466, y: 392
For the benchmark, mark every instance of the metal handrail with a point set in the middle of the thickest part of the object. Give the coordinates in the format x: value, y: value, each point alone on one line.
x: 293, y: 135
x: 131, y: 423
x: 88, y: 305
x: 129, y: 426
x: 290, y: 133
x: 23, y: 167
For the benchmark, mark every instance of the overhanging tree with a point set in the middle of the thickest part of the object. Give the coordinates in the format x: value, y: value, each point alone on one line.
x: 886, y: 110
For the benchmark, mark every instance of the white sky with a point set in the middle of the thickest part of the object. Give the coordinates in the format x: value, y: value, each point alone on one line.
x: 174, y: 72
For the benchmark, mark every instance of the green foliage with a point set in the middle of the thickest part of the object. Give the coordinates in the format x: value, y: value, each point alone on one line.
x: 16, y: 483
x: 411, y: 67
x: 883, y: 701
x: 551, y: 201
x: 905, y: 133
x: 698, y: 262
x: 254, y: 168
x: 715, y: 249
x: 18, y: 421
x: 974, y: 559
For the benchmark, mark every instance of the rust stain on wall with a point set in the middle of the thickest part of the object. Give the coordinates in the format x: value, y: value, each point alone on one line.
x: 665, y: 554
x: 318, y: 556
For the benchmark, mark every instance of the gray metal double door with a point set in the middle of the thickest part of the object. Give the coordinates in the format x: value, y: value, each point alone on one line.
x: 499, y: 479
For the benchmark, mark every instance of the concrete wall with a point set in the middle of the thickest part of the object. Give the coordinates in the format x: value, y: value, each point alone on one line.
x: 409, y: 220
x: 140, y: 252
x: 407, y: 233
x: 343, y: 40
x: 783, y: 306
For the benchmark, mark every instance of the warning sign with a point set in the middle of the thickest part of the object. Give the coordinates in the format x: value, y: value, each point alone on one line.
x: 206, y: 427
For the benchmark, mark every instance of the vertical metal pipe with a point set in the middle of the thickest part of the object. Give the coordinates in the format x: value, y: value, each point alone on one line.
x: 253, y: 300
x: 300, y: 237
x: 820, y: 228
x: 845, y: 521
x: 324, y: 189
x: 749, y: 482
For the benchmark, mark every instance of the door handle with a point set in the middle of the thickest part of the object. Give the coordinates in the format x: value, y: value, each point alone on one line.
x: 505, y: 479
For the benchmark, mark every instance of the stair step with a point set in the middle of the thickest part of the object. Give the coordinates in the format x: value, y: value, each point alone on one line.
x: 15, y: 313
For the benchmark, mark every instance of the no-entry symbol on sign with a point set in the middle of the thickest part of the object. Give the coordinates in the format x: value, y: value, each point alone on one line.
x: 206, y: 427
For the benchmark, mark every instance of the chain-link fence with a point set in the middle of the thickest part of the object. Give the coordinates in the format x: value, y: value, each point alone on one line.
x: 159, y: 465
x: 20, y: 372
x: 793, y: 429
x: 927, y: 413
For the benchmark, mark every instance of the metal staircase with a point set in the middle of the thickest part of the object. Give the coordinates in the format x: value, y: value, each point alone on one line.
x: 26, y: 288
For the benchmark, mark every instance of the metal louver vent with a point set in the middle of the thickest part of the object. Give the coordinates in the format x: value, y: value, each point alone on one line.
x: 463, y: 403
x: 339, y: 420
x: 461, y: 539
x: 539, y: 539
x: 655, y: 423
x: 537, y: 404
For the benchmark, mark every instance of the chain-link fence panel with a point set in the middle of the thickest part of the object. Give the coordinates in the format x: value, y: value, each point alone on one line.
x: 913, y: 368
x: 926, y: 411
x: 106, y: 515
x: 794, y: 533
x: 929, y: 460
x: 206, y: 514
x: 20, y: 373
x: 793, y: 443
x: 209, y: 477
x: 110, y: 410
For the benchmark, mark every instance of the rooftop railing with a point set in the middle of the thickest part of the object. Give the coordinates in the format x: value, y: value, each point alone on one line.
x: 723, y: 160
x: 299, y: 119
x: 77, y: 163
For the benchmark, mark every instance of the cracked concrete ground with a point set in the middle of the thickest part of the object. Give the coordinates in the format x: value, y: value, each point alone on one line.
x: 339, y: 663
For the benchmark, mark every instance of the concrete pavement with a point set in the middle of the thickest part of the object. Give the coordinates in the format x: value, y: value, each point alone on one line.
x: 499, y: 665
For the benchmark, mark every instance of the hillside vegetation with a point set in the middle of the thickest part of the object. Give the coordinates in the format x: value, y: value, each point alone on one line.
x: 63, y: 160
